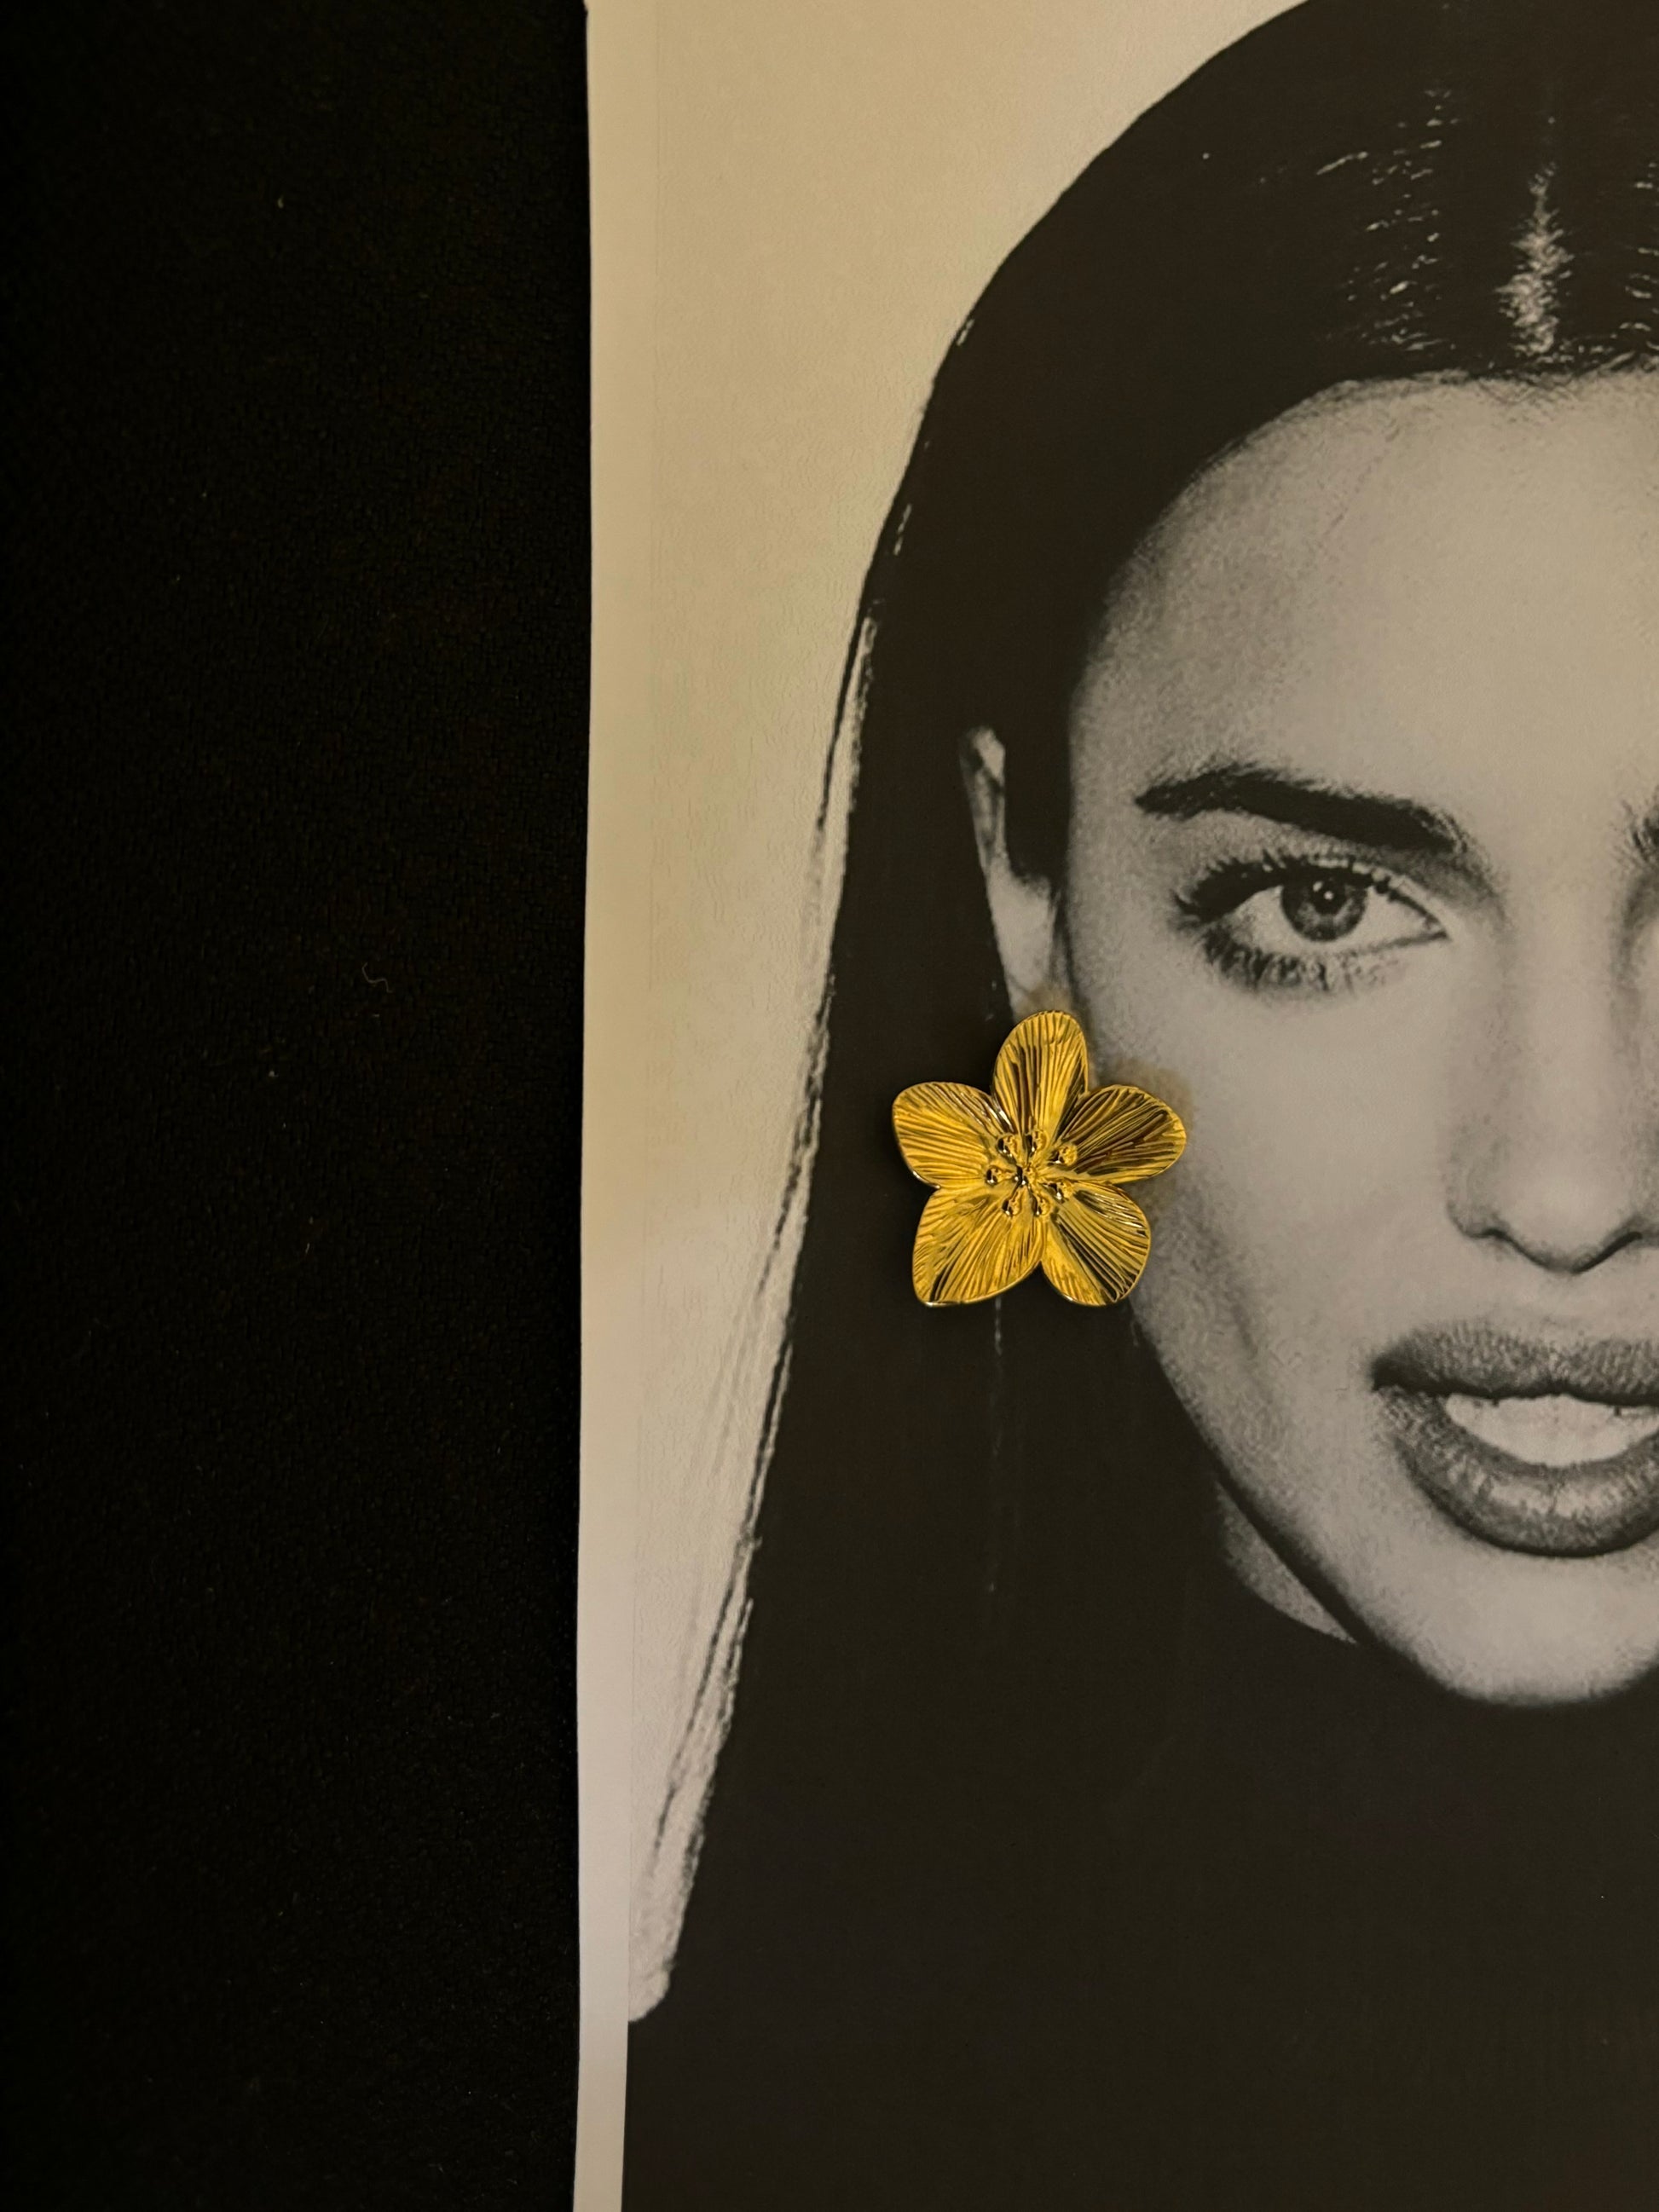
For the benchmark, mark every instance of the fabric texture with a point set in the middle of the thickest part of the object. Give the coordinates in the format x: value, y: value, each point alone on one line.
x: 298, y: 664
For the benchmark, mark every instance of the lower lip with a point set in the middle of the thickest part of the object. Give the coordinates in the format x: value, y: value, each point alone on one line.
x: 1563, y: 1512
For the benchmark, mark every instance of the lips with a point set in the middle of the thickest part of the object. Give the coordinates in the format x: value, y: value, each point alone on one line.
x: 1551, y: 1448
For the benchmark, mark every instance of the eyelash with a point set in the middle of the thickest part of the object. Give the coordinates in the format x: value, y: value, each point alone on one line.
x: 1217, y: 896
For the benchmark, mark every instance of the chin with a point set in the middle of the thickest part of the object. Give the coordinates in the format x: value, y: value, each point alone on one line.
x: 1510, y: 1630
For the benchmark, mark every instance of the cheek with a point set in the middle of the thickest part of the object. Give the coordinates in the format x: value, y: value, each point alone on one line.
x: 1310, y: 1197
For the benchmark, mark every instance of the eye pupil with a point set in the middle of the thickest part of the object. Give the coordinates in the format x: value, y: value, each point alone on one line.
x: 1325, y: 907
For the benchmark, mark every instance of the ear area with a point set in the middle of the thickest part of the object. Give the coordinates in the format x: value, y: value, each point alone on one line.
x: 1025, y: 909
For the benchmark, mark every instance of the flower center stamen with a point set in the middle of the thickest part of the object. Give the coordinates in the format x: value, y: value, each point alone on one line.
x: 1043, y: 1186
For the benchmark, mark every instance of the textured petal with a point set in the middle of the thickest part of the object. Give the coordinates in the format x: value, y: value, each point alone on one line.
x: 1122, y: 1134
x: 947, y: 1131
x: 967, y: 1248
x: 1040, y: 1073
x: 1095, y: 1247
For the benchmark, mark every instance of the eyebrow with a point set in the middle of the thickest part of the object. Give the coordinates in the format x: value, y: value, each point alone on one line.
x: 1646, y: 834
x: 1324, y: 809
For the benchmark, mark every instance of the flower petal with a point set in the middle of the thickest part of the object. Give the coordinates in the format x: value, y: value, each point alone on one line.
x: 1095, y: 1247
x: 947, y: 1131
x: 1040, y: 1073
x: 1122, y: 1134
x: 967, y: 1248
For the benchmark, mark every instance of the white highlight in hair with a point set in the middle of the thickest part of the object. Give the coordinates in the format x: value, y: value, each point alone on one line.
x: 1531, y: 293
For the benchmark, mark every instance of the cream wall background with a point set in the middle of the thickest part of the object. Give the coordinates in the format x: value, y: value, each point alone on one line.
x: 795, y: 203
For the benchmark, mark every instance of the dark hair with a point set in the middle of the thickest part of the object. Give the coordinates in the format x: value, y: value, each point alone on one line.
x: 976, y: 1523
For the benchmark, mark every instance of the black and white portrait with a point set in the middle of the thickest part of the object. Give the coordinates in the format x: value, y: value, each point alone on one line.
x: 1200, y: 1752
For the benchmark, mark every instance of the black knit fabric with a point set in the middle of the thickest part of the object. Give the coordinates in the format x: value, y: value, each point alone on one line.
x: 296, y: 741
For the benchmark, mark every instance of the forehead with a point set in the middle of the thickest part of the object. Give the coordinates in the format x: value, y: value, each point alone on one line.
x: 1421, y: 585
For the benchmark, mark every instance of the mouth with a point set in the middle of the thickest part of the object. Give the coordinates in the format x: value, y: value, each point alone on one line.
x: 1547, y: 1448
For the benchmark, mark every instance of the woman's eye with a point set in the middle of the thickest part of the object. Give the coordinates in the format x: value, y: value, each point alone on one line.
x: 1327, y: 907
x: 1315, y: 925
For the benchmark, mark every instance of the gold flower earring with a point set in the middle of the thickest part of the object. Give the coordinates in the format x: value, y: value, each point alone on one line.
x: 1026, y: 1176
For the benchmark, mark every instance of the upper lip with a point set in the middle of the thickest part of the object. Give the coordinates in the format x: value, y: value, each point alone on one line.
x: 1478, y: 1361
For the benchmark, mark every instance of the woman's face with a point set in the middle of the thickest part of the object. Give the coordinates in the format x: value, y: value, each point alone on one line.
x: 1363, y: 876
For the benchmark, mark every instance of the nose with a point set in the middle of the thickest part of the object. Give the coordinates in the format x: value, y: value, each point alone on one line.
x: 1558, y: 1154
